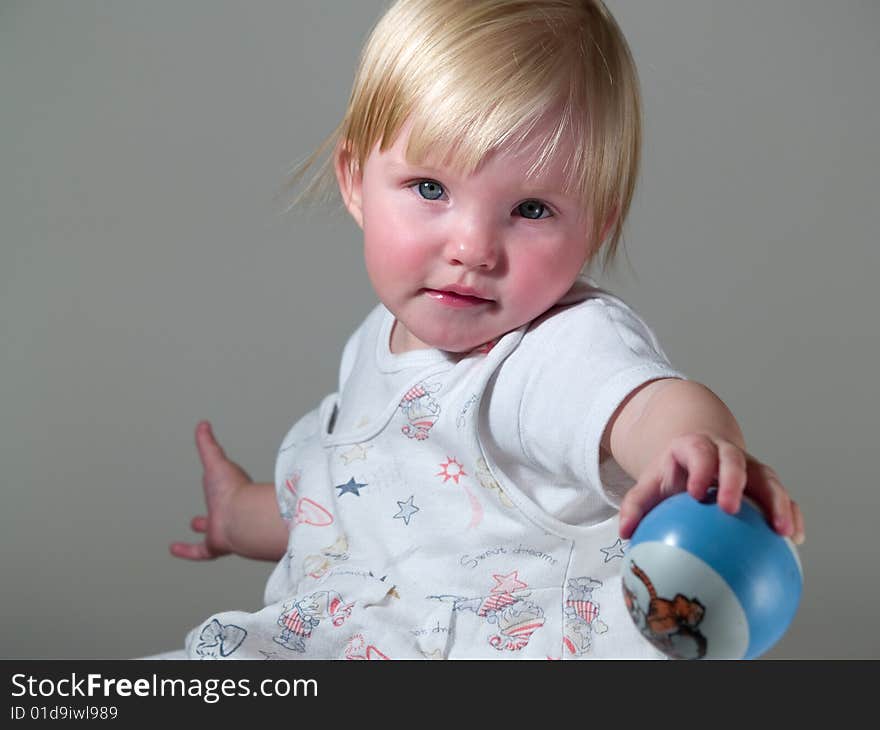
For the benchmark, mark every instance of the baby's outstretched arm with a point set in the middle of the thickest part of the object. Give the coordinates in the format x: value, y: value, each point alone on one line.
x: 243, y: 517
x: 674, y: 435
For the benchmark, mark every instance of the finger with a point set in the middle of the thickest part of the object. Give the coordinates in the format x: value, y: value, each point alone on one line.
x: 732, y: 476
x: 210, y: 452
x: 639, y: 500
x: 799, y: 534
x: 783, y: 509
x: 699, y: 455
x: 675, y: 476
x: 766, y: 489
x: 199, y: 524
x: 191, y: 551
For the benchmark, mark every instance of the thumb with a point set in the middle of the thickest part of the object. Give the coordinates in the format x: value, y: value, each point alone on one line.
x: 210, y: 452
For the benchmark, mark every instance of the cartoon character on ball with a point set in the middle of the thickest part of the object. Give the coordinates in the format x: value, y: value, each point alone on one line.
x: 703, y: 584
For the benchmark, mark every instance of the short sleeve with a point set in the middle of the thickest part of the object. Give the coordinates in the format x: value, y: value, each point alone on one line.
x: 571, y: 372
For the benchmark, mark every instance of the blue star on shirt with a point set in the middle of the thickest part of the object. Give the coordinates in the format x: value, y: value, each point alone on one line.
x: 350, y: 486
x: 407, y: 510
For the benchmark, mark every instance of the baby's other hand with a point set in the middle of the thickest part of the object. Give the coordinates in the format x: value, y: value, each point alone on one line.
x: 221, y: 479
x: 699, y: 461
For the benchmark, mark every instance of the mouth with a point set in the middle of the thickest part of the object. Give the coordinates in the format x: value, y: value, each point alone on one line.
x: 457, y: 297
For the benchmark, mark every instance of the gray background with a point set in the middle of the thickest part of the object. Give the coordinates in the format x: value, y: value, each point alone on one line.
x: 148, y: 278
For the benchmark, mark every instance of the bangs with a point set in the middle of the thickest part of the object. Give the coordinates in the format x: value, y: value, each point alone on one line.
x: 449, y: 130
x: 478, y: 77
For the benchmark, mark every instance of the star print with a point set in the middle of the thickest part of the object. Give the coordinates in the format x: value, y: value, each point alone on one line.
x: 358, y: 451
x: 407, y: 510
x: 350, y: 486
x: 508, y: 583
x: 452, y: 469
x: 614, y: 551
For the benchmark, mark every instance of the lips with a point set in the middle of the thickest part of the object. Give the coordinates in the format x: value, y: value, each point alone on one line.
x: 463, y: 291
x: 457, y: 296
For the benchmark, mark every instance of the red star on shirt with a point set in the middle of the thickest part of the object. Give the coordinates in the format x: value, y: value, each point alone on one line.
x: 508, y: 583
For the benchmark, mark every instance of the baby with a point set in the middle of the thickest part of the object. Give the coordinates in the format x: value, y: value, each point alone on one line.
x: 501, y: 423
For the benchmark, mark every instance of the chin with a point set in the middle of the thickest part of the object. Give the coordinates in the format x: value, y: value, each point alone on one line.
x: 446, y: 341
x: 454, y: 332
x: 459, y: 345
x: 458, y: 348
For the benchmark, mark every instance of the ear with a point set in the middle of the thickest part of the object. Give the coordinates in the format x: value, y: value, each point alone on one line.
x: 350, y: 180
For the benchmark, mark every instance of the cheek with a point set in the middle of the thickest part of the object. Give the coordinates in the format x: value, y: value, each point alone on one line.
x: 393, y: 248
x: 547, y: 273
x: 534, y: 264
x: 395, y: 240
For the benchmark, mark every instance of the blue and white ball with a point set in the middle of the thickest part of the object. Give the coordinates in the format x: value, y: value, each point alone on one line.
x: 703, y: 584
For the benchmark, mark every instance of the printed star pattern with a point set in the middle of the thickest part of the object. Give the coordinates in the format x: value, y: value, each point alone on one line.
x: 508, y: 583
x: 358, y: 451
x: 614, y: 551
x: 407, y: 510
x: 351, y: 486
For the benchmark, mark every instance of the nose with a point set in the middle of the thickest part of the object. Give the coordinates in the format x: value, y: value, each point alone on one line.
x: 474, y: 245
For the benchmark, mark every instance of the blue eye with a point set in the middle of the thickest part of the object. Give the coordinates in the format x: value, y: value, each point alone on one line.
x: 430, y: 190
x: 533, y: 209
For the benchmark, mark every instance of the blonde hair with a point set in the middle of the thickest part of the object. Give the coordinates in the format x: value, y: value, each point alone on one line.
x: 478, y: 74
